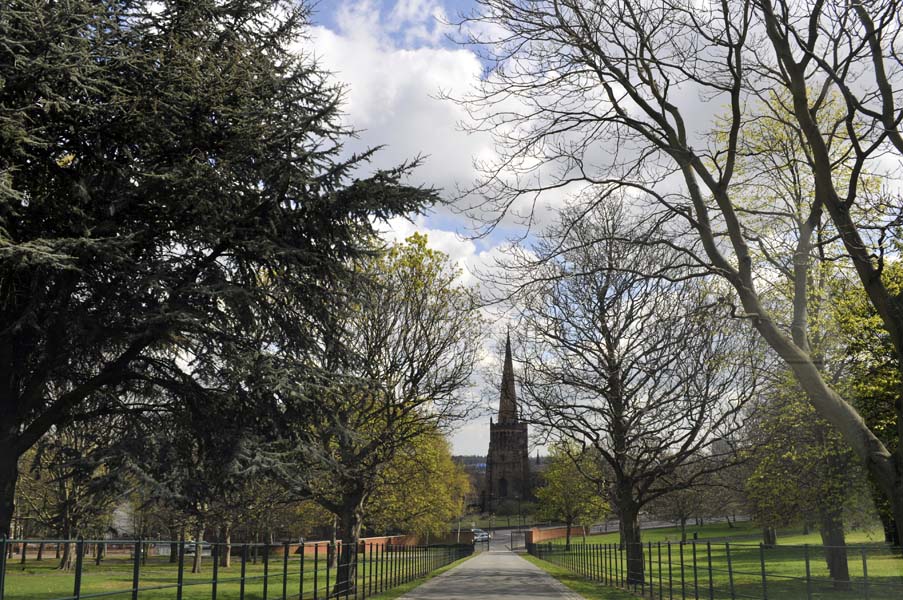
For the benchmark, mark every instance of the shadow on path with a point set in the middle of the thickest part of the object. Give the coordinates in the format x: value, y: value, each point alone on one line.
x: 493, y: 575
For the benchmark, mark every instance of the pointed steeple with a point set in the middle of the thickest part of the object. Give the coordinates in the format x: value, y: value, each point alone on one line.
x: 508, y: 400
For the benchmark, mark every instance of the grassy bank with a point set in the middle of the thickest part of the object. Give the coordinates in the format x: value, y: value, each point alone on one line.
x: 41, y: 580
x: 740, y: 532
x: 728, y: 562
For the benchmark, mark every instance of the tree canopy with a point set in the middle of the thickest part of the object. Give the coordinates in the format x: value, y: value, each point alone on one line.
x: 173, y: 199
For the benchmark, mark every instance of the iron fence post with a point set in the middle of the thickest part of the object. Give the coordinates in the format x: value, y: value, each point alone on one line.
x: 865, y: 572
x: 695, y: 573
x: 136, y: 569
x: 266, y: 568
x: 79, y: 559
x: 708, y: 550
x: 683, y: 578
x: 370, y: 573
x: 651, y: 585
x: 214, y: 556
x: 301, y: 584
x: 3, y: 543
x: 670, y: 574
x: 316, y: 570
x: 181, y: 573
x: 285, y: 550
x: 380, y: 567
x: 244, y: 567
x: 808, y: 572
x: 597, y: 561
x: 762, y: 567
x: 606, y: 570
x: 330, y: 552
x: 660, y: 570
x: 730, y: 569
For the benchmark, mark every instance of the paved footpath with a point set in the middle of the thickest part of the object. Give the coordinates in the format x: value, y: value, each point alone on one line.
x: 490, y: 576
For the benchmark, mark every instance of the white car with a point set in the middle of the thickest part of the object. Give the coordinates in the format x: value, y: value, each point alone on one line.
x: 480, y: 536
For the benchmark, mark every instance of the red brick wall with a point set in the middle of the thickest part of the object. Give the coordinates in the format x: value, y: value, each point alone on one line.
x: 399, y: 540
x: 536, y: 535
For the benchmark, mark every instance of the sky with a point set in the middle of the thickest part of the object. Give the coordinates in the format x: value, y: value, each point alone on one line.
x: 395, y: 57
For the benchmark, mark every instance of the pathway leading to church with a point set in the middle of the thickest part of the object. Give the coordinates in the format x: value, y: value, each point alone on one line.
x: 493, y: 575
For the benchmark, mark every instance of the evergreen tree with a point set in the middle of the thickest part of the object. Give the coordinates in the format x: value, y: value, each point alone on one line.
x: 172, y: 200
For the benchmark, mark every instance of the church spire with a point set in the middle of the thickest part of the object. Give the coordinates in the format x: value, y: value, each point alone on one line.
x: 508, y: 400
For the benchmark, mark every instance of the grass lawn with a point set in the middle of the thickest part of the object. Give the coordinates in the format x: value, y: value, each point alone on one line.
x: 158, y: 578
x: 741, y: 532
x: 785, y: 564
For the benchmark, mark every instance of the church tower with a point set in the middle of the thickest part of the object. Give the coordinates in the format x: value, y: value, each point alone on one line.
x: 508, y: 464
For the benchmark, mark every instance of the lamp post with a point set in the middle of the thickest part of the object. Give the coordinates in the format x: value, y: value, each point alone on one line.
x: 460, y: 516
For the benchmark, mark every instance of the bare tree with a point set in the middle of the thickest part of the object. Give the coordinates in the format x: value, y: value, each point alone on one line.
x: 415, y: 336
x: 639, y: 368
x: 647, y: 100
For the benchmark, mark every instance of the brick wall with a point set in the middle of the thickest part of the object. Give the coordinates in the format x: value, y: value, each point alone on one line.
x: 320, y: 547
x: 537, y: 534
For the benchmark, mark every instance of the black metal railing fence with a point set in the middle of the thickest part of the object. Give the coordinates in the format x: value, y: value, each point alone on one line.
x: 137, y: 569
x: 705, y: 570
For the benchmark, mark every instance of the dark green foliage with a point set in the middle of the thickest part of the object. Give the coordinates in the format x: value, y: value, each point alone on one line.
x: 172, y: 200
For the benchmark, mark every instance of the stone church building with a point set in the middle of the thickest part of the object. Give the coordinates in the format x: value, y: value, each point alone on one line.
x: 508, y: 463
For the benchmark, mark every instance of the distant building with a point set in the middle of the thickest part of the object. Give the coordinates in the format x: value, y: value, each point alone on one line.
x: 508, y: 463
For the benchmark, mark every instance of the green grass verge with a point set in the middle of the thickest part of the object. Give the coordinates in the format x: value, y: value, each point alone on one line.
x: 403, y: 589
x: 588, y: 589
x: 746, y: 532
x: 41, y: 580
x: 687, y: 568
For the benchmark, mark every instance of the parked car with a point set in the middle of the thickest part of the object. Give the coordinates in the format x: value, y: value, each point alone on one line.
x: 191, y: 546
x: 480, y: 536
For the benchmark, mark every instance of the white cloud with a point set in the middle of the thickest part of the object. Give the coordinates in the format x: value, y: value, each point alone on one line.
x: 395, y: 66
x: 392, y: 95
x: 421, y: 21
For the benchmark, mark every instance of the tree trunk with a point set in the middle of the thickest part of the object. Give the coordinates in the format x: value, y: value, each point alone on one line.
x: 346, y: 573
x: 40, y: 555
x: 331, y: 555
x: 897, y: 507
x: 198, y: 548
x: 66, y: 558
x: 175, y: 534
x: 567, y: 539
x: 834, y: 541
x: 730, y: 524
x: 769, y: 536
x: 683, y: 529
x: 99, y: 552
x: 891, y: 531
x: 628, y: 515
x: 225, y: 559
x: 9, y: 473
